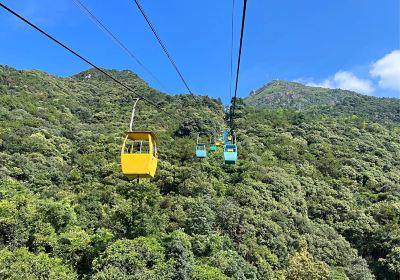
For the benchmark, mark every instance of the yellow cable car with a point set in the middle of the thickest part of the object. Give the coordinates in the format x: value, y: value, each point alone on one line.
x: 139, y: 155
x: 219, y: 142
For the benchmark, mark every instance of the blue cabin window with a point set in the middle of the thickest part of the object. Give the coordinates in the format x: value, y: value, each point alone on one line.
x: 230, y: 148
x: 201, y: 147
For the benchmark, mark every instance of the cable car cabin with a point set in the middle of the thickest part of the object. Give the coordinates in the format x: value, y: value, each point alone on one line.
x: 139, y: 154
x: 201, y: 150
x: 225, y: 136
x: 213, y: 147
x: 230, y: 153
x: 220, y: 141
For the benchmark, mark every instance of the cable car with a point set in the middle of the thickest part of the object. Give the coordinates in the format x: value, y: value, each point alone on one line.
x: 139, y: 155
x: 225, y: 136
x: 219, y: 141
x: 230, y: 153
x: 201, y: 150
x: 213, y: 146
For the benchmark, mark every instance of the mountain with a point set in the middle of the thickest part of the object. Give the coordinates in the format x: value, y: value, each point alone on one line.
x: 283, y: 94
x: 312, y: 196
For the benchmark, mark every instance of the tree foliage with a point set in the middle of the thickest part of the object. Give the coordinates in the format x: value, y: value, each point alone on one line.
x: 313, y: 195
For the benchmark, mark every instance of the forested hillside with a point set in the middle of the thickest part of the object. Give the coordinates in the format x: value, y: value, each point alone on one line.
x: 333, y: 102
x: 313, y: 195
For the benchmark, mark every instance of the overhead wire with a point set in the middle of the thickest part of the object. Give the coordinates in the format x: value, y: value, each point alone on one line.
x: 238, y: 63
x: 162, y: 44
x: 107, y: 31
x: 80, y: 57
x: 232, y: 25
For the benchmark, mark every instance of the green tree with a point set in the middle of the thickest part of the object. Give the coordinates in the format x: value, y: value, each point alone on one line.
x: 204, y: 272
x: 141, y: 258
x: 303, y: 266
x: 21, y: 264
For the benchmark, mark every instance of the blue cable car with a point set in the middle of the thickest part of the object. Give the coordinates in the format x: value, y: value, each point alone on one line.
x: 201, y: 150
x: 230, y: 153
x: 225, y: 136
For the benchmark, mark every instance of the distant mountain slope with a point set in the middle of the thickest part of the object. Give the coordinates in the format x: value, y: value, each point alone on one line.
x: 290, y: 95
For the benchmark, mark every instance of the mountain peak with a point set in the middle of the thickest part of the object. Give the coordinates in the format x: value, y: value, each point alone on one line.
x: 292, y: 95
x: 278, y: 86
x: 93, y: 73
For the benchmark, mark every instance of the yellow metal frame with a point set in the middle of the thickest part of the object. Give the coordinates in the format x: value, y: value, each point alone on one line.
x: 140, y: 165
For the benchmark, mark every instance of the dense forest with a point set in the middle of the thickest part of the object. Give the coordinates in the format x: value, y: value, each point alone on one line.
x: 315, y: 193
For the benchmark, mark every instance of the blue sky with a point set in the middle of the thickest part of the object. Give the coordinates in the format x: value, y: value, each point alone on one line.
x: 351, y: 44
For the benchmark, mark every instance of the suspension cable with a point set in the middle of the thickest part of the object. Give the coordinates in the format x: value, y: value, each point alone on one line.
x: 81, y: 57
x: 230, y: 82
x: 107, y: 31
x: 162, y: 44
x: 238, y: 63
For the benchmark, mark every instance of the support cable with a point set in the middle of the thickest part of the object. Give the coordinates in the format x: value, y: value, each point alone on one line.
x: 162, y: 44
x: 232, y: 21
x: 107, y: 31
x: 238, y: 63
x: 80, y: 57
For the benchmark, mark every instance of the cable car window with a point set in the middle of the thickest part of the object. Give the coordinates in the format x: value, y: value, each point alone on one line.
x: 154, y: 148
x: 136, y: 147
x: 230, y: 148
x: 201, y: 147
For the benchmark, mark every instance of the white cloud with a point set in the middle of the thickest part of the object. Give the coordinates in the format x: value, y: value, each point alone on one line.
x: 346, y: 80
x: 387, y: 69
x: 325, y: 84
